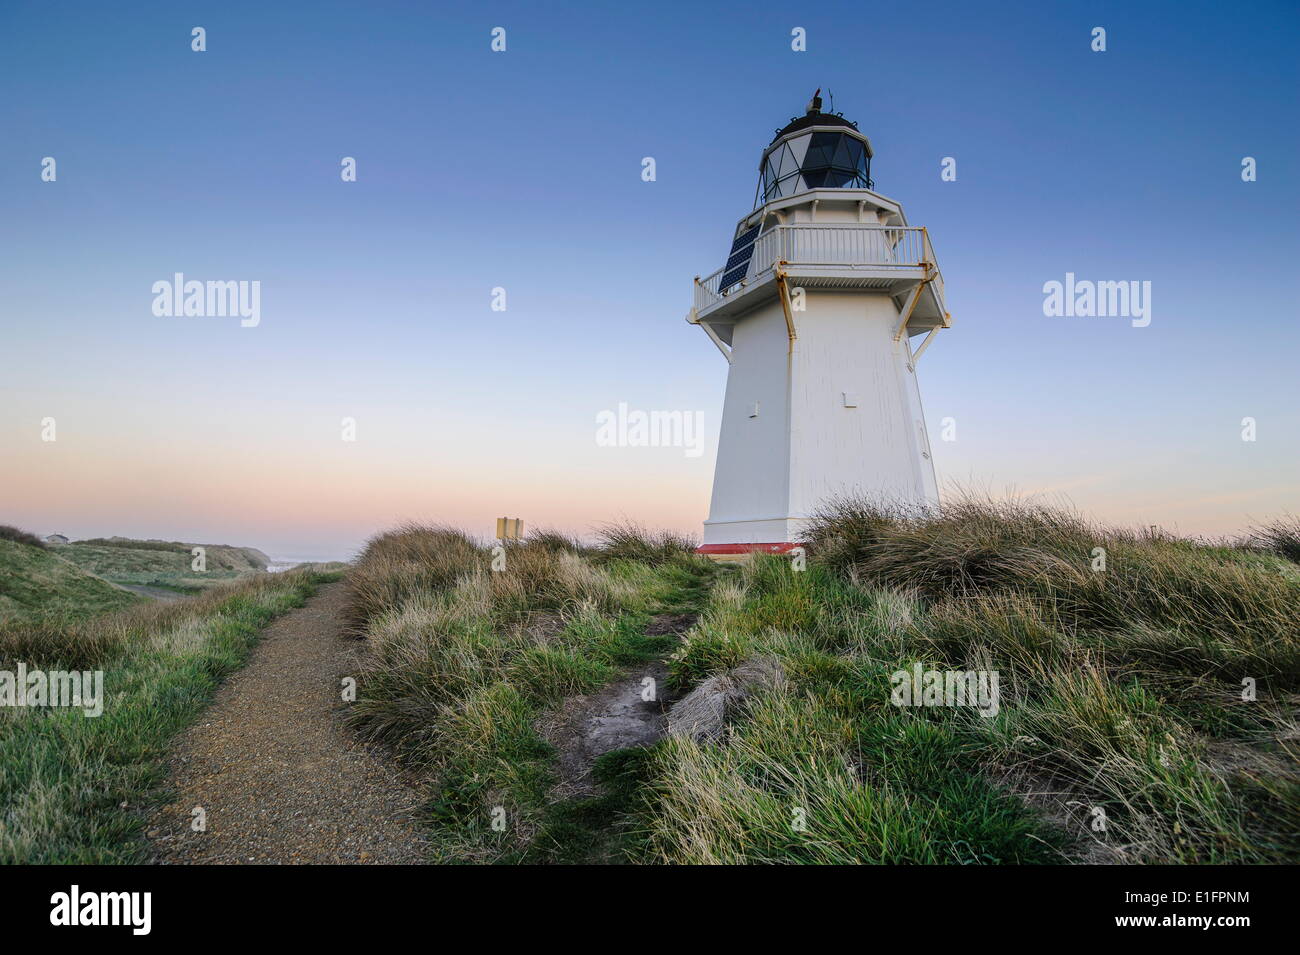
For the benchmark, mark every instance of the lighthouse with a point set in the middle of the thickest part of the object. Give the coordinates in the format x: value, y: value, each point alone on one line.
x: 825, y: 305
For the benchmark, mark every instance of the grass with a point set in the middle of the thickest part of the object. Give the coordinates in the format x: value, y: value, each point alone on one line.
x: 166, y: 564
x: 73, y: 789
x: 1281, y: 537
x: 10, y: 533
x: 466, y: 660
x: 172, y: 547
x: 1046, y: 556
x: 1126, y: 730
x: 821, y: 769
x: 1121, y: 688
x: 630, y: 541
x: 600, y: 829
x: 35, y: 584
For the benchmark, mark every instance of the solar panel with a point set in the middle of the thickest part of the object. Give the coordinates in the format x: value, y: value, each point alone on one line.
x: 742, y: 250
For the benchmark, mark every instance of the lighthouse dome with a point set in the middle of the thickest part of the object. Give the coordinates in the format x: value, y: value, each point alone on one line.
x: 814, y: 151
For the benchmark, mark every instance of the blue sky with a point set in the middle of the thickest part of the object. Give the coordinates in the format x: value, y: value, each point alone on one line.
x: 522, y: 170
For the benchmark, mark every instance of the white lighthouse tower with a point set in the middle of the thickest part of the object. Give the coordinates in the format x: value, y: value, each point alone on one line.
x: 816, y: 309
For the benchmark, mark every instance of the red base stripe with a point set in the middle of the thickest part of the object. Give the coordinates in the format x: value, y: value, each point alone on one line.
x: 745, y: 548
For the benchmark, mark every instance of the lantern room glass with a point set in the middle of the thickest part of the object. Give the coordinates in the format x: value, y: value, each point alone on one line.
x: 834, y: 160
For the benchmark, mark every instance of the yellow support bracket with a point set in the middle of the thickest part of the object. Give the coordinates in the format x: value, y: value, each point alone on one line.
x: 911, y: 307
x: 784, y: 289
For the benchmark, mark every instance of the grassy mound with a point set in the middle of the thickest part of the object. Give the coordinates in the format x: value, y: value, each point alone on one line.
x: 1145, y: 701
x: 166, y: 564
x: 36, y: 583
x: 465, y: 659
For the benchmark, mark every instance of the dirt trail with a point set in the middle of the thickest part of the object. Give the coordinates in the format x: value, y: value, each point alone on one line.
x: 281, y: 780
x: 616, y: 717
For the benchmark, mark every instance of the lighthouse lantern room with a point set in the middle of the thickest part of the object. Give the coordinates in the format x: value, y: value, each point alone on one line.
x: 816, y: 310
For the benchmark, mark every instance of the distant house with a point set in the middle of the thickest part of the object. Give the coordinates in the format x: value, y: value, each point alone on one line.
x: 56, y: 539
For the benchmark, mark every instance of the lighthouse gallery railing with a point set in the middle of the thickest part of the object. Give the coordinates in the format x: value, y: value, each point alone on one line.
x: 873, y: 247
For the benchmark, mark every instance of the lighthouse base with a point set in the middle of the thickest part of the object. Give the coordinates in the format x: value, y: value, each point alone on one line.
x: 736, y: 540
x: 726, y: 553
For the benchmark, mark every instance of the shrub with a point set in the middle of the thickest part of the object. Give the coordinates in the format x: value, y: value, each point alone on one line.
x: 10, y: 533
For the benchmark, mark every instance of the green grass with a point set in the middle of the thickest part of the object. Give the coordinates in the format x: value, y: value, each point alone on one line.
x: 1120, y: 693
x: 466, y: 661
x: 806, y: 778
x: 822, y: 769
x: 1280, y: 537
x: 601, y: 829
x: 74, y: 789
x: 18, y: 536
x: 35, y: 583
x: 162, y: 563
x: 631, y: 541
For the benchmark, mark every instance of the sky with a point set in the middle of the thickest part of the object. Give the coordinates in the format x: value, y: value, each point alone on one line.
x: 522, y: 170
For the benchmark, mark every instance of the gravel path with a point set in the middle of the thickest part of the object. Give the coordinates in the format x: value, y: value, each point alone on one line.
x: 281, y: 780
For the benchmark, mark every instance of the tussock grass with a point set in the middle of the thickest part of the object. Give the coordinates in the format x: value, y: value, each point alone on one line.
x: 1045, y: 556
x: 1120, y: 694
x: 627, y: 540
x: 73, y: 789
x: 407, y: 562
x: 464, y: 661
x: 554, y: 540
x: 802, y: 780
x: 1281, y: 537
x: 546, y: 572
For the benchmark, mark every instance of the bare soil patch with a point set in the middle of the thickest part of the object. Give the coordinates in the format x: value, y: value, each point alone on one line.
x: 619, y: 716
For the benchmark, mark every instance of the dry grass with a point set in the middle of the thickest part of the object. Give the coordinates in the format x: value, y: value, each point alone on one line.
x: 554, y: 540
x: 628, y: 540
x: 1120, y: 690
x: 470, y: 646
x: 1046, y: 556
x: 71, y: 786
x: 80, y: 644
x: 1281, y: 537
x: 404, y: 563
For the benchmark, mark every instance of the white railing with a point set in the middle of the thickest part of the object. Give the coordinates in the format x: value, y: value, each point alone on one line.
x: 875, y: 247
